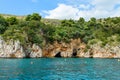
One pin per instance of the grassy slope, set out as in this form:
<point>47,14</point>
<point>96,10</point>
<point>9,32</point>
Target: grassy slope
<point>44,20</point>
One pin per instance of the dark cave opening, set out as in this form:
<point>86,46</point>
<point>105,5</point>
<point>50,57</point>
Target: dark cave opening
<point>74,53</point>
<point>58,54</point>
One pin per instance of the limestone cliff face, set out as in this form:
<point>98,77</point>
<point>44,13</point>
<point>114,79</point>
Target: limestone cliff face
<point>64,49</point>
<point>36,51</point>
<point>106,52</point>
<point>78,49</point>
<point>13,49</point>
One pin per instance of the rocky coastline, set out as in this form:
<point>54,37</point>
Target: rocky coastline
<point>13,49</point>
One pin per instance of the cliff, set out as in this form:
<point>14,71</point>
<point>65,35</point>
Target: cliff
<point>78,49</point>
<point>13,49</point>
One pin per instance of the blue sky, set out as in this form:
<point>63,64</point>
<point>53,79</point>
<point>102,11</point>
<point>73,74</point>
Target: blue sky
<point>21,7</point>
<point>62,9</point>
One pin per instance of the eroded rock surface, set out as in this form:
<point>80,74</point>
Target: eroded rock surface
<point>64,49</point>
<point>78,49</point>
<point>36,51</point>
<point>11,49</point>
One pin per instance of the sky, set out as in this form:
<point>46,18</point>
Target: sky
<point>62,9</point>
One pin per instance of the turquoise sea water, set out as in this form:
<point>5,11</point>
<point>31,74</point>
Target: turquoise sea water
<point>59,69</point>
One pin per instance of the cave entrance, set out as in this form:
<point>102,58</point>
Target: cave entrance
<point>27,55</point>
<point>74,53</point>
<point>58,54</point>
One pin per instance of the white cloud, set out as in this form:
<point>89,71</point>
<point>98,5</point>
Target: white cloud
<point>116,13</point>
<point>93,13</point>
<point>62,12</point>
<point>82,6</point>
<point>105,4</point>
<point>95,8</point>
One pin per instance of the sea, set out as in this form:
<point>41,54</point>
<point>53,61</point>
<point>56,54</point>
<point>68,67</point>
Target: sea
<point>59,69</point>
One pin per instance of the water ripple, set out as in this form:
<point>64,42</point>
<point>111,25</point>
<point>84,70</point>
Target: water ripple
<point>59,69</point>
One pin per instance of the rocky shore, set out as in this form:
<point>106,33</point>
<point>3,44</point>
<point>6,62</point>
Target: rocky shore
<point>13,49</point>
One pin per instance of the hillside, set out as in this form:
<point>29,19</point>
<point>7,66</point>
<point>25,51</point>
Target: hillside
<point>55,22</point>
<point>61,38</point>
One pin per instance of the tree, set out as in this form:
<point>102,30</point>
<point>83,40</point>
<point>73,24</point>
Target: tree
<point>12,20</point>
<point>3,24</point>
<point>15,33</point>
<point>3,21</point>
<point>34,16</point>
<point>34,24</point>
<point>2,29</point>
<point>81,21</point>
<point>68,23</point>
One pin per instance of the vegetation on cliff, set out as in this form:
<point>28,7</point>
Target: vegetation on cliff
<point>34,29</point>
